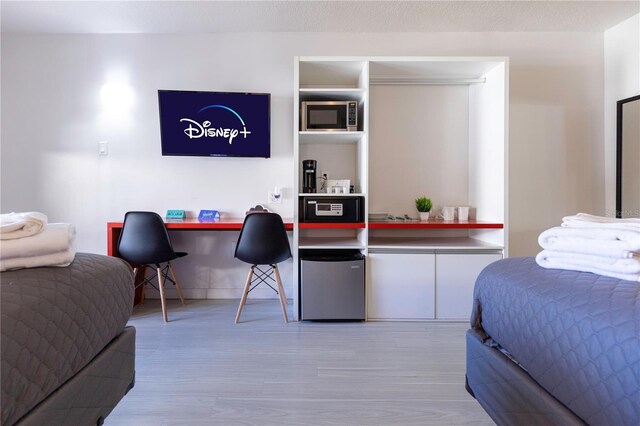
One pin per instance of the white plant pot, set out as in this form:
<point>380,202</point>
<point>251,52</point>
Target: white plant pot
<point>424,216</point>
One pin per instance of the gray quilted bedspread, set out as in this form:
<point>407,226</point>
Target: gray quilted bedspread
<point>576,333</point>
<point>54,321</point>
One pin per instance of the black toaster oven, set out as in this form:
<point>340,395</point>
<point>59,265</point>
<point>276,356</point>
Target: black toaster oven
<point>331,209</point>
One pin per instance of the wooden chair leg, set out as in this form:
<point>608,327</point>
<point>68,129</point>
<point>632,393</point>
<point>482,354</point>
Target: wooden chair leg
<point>245,291</point>
<point>283,298</point>
<point>162,299</point>
<point>175,280</point>
<point>144,286</point>
<point>136,281</point>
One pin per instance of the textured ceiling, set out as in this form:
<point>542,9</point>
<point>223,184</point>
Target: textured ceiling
<point>310,16</point>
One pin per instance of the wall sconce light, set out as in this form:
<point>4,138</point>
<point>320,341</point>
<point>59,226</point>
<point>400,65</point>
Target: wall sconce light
<point>116,97</point>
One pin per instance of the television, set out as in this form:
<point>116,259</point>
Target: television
<point>215,124</point>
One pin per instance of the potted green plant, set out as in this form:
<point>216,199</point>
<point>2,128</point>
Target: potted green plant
<point>424,205</point>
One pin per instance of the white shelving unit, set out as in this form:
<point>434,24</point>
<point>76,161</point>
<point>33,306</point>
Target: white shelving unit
<point>434,126</point>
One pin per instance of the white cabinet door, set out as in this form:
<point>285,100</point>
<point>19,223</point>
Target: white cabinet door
<point>400,286</point>
<point>455,277</point>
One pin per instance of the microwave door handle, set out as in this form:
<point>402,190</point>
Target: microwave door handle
<point>303,116</point>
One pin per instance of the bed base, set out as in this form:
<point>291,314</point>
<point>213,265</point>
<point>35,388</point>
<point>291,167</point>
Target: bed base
<point>507,393</point>
<point>89,396</point>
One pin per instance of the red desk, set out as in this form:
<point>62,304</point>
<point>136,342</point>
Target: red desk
<point>191,224</point>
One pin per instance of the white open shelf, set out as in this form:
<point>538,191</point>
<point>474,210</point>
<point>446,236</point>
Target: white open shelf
<point>330,243</point>
<point>324,194</point>
<point>434,243</point>
<point>332,93</point>
<point>332,72</point>
<point>330,137</point>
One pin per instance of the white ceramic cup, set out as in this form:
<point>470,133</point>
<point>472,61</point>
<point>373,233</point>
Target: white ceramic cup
<point>448,213</point>
<point>463,213</point>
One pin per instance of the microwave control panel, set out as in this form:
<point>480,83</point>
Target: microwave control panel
<point>352,116</point>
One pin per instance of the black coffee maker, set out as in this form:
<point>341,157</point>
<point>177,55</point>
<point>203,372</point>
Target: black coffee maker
<point>309,176</point>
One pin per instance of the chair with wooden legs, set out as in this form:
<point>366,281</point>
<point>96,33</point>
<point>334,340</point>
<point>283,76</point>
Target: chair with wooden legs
<point>145,242</point>
<point>263,241</point>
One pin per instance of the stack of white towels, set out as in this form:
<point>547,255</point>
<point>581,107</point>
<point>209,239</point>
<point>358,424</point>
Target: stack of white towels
<point>27,240</point>
<point>596,244</point>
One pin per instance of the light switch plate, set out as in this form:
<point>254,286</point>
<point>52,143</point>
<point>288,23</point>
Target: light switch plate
<point>103,148</point>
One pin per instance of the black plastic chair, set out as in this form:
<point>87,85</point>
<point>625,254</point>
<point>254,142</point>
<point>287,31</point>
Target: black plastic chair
<point>263,241</point>
<point>144,241</point>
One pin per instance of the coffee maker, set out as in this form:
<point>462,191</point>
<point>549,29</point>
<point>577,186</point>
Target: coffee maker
<point>309,176</point>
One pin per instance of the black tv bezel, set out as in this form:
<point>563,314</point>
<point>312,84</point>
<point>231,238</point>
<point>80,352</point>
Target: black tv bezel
<point>213,155</point>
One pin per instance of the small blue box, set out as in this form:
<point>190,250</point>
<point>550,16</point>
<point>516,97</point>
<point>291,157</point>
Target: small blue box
<point>208,215</point>
<point>176,214</point>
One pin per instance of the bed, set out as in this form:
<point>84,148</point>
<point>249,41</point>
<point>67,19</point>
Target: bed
<point>550,346</point>
<point>67,357</point>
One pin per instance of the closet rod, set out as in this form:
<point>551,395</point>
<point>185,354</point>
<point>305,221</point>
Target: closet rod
<point>400,81</point>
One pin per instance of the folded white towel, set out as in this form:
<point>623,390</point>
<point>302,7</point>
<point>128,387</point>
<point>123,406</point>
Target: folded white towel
<point>614,242</point>
<point>612,264</point>
<point>584,220</point>
<point>548,260</point>
<point>63,258</point>
<point>20,225</point>
<point>55,237</point>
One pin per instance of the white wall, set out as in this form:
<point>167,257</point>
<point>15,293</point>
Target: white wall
<point>414,119</point>
<point>621,80</point>
<point>52,119</point>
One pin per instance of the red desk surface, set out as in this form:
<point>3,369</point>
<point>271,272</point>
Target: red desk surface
<point>189,224</point>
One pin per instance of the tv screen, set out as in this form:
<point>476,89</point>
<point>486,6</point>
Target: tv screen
<point>215,124</point>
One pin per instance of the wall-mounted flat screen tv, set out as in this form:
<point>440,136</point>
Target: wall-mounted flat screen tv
<point>215,124</point>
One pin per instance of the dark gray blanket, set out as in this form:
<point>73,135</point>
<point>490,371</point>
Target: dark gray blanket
<point>576,333</point>
<point>56,320</point>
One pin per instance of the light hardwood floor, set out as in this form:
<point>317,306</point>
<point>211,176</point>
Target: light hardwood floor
<point>202,369</point>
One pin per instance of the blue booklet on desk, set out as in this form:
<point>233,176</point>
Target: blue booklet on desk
<point>208,215</point>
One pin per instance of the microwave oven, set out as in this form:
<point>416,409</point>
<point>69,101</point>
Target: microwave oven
<point>329,116</point>
<point>331,209</point>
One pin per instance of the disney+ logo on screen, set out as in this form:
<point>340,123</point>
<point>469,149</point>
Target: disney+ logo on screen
<point>196,130</point>
<point>214,123</point>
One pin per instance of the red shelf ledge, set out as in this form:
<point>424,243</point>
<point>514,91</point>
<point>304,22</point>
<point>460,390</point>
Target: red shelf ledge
<point>436,224</point>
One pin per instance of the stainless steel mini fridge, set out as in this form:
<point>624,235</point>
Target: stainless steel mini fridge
<point>332,285</point>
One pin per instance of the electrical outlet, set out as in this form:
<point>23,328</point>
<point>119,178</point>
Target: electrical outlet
<point>323,181</point>
<point>274,198</point>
